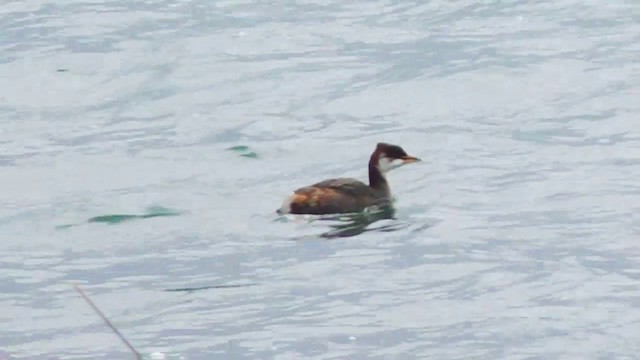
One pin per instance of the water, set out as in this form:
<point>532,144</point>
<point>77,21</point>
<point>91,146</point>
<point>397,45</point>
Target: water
<point>515,238</point>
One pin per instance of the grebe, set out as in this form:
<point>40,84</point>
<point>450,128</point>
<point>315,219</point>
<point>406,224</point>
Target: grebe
<point>344,195</point>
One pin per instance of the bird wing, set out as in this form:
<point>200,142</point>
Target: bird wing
<point>347,186</point>
<point>332,196</point>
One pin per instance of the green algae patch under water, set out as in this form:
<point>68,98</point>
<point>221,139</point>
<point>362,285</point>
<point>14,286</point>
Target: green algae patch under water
<point>209,287</point>
<point>244,151</point>
<point>112,219</point>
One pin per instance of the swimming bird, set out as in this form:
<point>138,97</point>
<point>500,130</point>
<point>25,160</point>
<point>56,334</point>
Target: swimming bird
<point>346,195</point>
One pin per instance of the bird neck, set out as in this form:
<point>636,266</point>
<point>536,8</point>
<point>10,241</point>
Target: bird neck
<point>377,179</point>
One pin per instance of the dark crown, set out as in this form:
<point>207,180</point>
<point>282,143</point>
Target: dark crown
<point>390,151</point>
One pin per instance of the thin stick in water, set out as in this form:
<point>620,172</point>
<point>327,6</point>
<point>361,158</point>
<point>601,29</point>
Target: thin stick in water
<point>104,318</point>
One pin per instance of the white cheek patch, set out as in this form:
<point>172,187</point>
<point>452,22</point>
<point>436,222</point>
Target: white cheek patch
<point>385,164</point>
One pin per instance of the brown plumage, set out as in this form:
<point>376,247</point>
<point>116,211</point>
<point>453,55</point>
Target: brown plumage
<point>344,195</point>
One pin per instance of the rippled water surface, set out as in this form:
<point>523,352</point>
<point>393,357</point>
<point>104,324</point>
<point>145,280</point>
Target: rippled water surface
<point>515,238</point>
